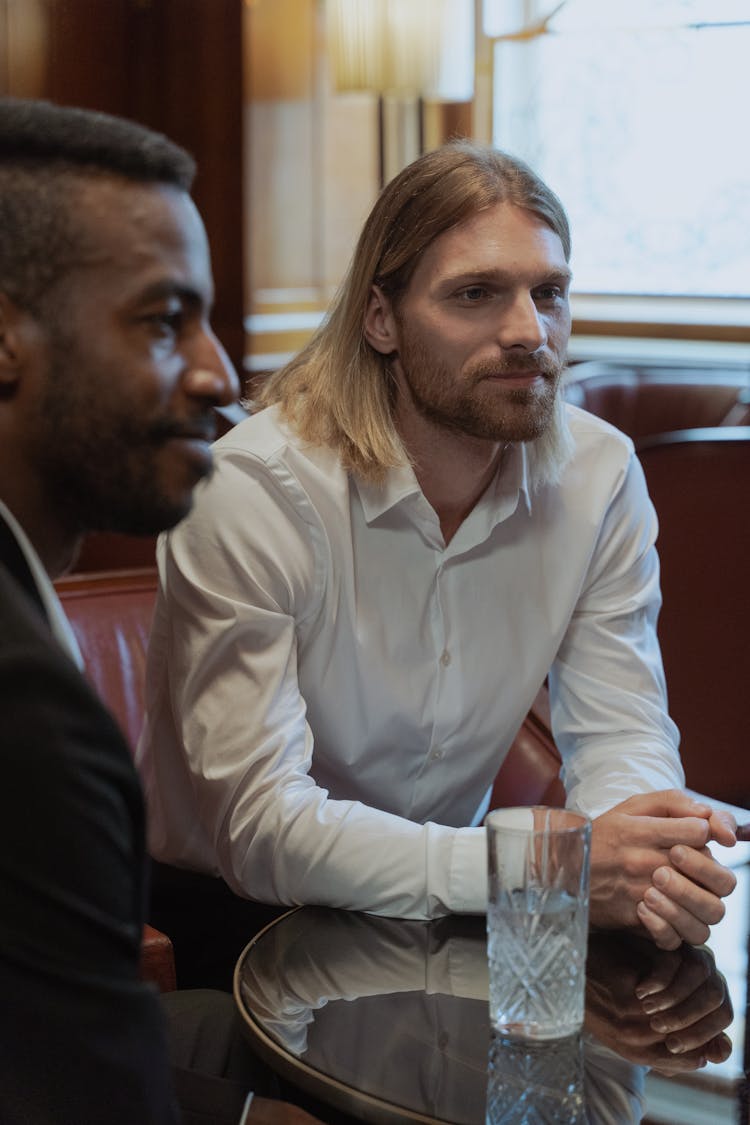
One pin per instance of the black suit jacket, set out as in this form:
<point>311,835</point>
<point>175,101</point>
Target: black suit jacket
<point>81,1037</point>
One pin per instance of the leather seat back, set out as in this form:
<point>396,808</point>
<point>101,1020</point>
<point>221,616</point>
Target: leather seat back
<point>647,399</point>
<point>111,615</point>
<point>111,612</point>
<point>530,773</point>
<point>699,481</point>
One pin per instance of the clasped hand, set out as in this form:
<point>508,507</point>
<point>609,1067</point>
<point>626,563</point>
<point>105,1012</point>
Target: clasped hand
<point>665,1010</point>
<point>651,868</point>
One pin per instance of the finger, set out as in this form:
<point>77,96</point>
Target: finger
<point>660,976</point>
<point>687,925</point>
<point>723,828</point>
<point>666,832</point>
<point>669,1064</point>
<point>700,867</point>
<point>719,1049</point>
<point>636,1037</point>
<point>666,803</point>
<point>698,1019</point>
<point>662,933</point>
<point>649,838</point>
<point>665,1061</point>
<point>689,907</point>
<point>692,974</point>
<point>695,1037</point>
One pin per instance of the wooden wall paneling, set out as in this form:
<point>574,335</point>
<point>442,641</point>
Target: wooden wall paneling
<point>175,65</point>
<point>188,71</point>
<point>89,54</point>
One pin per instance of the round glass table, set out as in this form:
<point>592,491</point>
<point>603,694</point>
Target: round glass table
<point>386,1020</point>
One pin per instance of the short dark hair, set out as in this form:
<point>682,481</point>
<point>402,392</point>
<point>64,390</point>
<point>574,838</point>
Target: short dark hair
<point>45,151</point>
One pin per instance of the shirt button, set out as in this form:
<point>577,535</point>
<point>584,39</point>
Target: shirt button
<point>445,658</point>
<point>436,755</point>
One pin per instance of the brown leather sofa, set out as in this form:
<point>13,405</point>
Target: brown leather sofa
<point>643,399</point>
<point>530,774</point>
<point>690,426</point>
<point>110,613</point>
<point>699,481</point>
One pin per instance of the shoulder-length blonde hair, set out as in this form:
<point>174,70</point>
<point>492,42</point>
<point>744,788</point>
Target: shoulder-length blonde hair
<point>337,391</point>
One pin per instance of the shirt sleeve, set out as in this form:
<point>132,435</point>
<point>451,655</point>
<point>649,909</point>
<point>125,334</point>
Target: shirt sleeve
<point>239,586</point>
<point>608,695</point>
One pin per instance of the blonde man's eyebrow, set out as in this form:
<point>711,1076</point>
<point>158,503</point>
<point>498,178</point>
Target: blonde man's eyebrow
<point>483,276</point>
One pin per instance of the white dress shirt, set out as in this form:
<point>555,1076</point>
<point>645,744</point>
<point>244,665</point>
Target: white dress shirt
<point>332,689</point>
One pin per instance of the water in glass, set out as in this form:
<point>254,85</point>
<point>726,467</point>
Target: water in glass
<point>537,955</point>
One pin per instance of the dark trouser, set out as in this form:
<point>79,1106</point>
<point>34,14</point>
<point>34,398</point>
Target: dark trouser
<point>208,924</point>
<point>212,1065</point>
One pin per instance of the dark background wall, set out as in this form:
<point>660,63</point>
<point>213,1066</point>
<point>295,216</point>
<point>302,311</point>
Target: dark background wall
<point>175,65</point>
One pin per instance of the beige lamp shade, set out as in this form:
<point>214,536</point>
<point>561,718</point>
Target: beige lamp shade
<point>407,47</point>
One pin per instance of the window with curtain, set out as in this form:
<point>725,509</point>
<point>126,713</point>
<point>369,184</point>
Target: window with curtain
<point>636,114</point>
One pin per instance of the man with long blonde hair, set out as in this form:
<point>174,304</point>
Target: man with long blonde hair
<point>335,682</point>
<point>339,390</point>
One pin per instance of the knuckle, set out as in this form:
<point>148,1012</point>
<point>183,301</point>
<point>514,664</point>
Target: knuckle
<point>633,866</point>
<point>702,935</point>
<point>714,990</point>
<point>717,911</point>
<point>730,882</point>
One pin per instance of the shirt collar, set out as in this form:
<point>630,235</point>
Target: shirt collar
<point>376,499</point>
<point>512,481</point>
<point>400,484</point>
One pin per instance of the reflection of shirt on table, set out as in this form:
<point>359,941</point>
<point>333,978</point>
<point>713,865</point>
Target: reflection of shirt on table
<point>418,1034</point>
<point>332,689</point>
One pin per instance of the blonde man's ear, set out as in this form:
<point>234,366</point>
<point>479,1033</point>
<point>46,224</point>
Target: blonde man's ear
<point>380,326</point>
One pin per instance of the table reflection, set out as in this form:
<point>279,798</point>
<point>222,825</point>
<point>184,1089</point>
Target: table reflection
<point>535,1081</point>
<point>397,1010</point>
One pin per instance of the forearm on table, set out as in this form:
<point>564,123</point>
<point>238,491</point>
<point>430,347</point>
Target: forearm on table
<point>298,847</point>
<point>609,711</point>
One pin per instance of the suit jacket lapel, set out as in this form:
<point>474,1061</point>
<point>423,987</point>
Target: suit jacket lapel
<point>14,560</point>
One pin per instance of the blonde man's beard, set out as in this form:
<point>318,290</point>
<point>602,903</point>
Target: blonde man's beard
<point>550,452</point>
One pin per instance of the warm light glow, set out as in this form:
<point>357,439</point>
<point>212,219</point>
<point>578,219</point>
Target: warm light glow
<point>423,47</point>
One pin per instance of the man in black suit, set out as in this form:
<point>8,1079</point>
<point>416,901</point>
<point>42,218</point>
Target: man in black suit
<point>109,375</point>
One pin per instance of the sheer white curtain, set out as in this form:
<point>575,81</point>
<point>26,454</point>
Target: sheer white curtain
<point>636,114</point>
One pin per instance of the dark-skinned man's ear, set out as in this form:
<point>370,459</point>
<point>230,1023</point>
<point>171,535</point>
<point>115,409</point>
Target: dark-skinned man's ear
<point>12,341</point>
